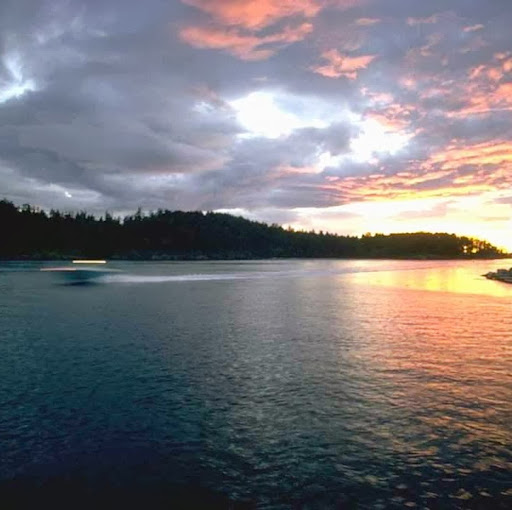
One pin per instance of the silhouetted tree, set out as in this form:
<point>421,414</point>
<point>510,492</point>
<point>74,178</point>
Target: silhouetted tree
<point>27,232</point>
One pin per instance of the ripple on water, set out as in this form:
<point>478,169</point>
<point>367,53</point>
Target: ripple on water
<point>324,391</point>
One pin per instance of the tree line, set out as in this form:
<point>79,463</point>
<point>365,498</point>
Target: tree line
<point>27,232</point>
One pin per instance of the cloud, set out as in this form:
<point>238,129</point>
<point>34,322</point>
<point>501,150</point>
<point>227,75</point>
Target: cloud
<point>255,14</point>
<point>339,65</point>
<point>483,154</point>
<point>238,26</point>
<point>474,28</point>
<point>246,47</point>
<point>124,104</point>
<point>367,22</point>
<point>487,88</point>
<point>430,20</point>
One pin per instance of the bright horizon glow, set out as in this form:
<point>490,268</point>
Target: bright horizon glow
<point>389,217</point>
<point>392,217</point>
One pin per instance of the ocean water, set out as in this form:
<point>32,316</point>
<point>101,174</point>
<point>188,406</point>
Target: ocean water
<point>265,384</point>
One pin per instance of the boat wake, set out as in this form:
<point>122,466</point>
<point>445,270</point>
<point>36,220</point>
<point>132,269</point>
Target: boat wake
<point>88,274</point>
<point>132,278</point>
<point>200,277</point>
<point>246,275</point>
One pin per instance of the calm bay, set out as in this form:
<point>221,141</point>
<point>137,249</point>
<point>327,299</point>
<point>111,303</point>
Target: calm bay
<point>268,384</point>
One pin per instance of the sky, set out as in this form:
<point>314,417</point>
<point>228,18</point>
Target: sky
<point>347,116</point>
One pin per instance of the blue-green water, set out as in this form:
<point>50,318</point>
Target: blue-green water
<point>268,384</point>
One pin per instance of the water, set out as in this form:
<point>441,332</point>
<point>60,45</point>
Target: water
<point>269,384</point>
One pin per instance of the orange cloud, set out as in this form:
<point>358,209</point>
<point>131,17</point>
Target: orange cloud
<point>387,111</point>
<point>342,65</point>
<point>486,92</point>
<point>395,187</point>
<point>440,175</point>
<point>255,14</point>
<point>479,155</point>
<point>244,46</point>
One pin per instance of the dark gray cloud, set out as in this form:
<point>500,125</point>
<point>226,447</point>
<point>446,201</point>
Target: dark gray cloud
<point>110,104</point>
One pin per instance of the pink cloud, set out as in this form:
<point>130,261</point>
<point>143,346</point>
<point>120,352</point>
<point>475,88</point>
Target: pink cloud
<point>342,65</point>
<point>255,14</point>
<point>487,91</point>
<point>237,25</point>
<point>242,45</point>
<point>473,28</point>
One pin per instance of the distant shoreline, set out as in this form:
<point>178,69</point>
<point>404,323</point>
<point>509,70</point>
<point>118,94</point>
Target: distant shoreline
<point>33,234</point>
<point>204,258</point>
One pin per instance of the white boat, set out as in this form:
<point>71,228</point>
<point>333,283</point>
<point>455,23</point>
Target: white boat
<point>82,271</point>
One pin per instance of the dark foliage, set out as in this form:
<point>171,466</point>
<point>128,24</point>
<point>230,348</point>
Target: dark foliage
<point>27,232</point>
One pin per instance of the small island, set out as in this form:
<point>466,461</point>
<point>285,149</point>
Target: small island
<point>31,233</point>
<point>501,275</point>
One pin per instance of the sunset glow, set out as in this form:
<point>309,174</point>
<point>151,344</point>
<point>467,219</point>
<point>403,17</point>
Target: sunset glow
<point>256,254</point>
<point>343,115</point>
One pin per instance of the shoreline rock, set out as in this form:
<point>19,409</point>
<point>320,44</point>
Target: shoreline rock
<point>501,275</point>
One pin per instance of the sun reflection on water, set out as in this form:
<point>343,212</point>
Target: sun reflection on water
<point>440,367</point>
<point>447,276</point>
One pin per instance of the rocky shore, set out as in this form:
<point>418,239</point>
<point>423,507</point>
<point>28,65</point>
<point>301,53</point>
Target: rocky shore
<point>502,275</point>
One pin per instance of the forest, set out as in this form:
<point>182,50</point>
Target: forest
<point>30,233</point>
